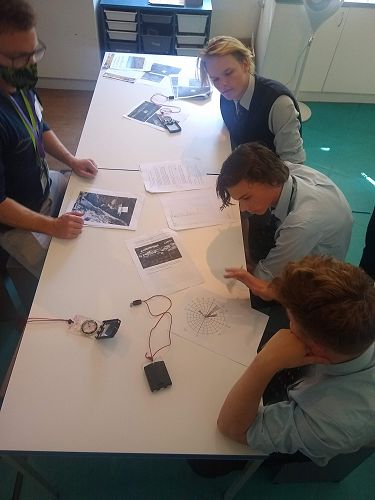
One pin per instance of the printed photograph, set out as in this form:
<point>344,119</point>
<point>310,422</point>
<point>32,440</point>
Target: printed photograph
<point>155,120</point>
<point>105,209</point>
<point>135,62</point>
<point>152,77</point>
<point>144,111</point>
<point>157,253</point>
<point>164,69</point>
<point>191,87</point>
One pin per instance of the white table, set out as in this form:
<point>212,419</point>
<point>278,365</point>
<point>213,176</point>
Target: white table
<point>68,393</point>
<point>119,143</point>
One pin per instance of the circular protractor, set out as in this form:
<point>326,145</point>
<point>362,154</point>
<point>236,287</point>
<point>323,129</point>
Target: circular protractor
<point>205,316</point>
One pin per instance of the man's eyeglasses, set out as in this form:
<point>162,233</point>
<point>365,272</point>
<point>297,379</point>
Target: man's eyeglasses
<point>24,59</point>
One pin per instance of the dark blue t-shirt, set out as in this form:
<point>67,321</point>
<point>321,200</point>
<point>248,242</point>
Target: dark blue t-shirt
<point>19,167</point>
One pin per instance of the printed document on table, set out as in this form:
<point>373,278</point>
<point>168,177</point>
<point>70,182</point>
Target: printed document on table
<point>227,326</point>
<point>108,209</point>
<point>172,176</point>
<point>150,113</point>
<point>162,263</point>
<point>123,62</point>
<point>196,209</point>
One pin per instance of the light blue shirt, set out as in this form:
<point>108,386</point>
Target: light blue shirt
<point>319,222</point>
<point>328,413</point>
<point>283,123</point>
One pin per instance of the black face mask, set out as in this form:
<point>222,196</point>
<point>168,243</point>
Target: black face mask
<point>21,78</point>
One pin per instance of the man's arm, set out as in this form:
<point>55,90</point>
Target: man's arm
<point>81,166</point>
<point>238,413</point>
<point>13,214</point>
<point>284,124</point>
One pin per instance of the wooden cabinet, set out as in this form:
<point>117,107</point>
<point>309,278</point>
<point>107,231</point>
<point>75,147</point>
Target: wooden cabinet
<point>137,26</point>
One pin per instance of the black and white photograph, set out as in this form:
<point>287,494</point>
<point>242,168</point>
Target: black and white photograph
<point>164,69</point>
<point>108,209</point>
<point>155,120</point>
<point>144,111</point>
<point>185,88</point>
<point>135,62</point>
<point>162,262</point>
<point>152,77</point>
<point>157,253</point>
<point>148,113</point>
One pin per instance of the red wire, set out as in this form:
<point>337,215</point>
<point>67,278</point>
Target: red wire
<point>149,355</point>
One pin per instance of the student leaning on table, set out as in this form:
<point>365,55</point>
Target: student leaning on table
<point>308,214</point>
<point>253,108</point>
<point>331,307</point>
<point>30,195</point>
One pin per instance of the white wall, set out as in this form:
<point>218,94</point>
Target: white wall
<point>69,30</point>
<point>237,18</point>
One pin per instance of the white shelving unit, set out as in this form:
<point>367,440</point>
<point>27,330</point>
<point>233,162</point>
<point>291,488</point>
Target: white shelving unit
<point>339,65</point>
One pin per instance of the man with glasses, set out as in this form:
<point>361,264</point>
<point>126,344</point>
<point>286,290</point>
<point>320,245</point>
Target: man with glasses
<point>30,195</point>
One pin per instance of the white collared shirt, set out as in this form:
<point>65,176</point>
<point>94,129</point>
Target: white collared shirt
<point>328,413</point>
<point>319,223</point>
<point>283,123</point>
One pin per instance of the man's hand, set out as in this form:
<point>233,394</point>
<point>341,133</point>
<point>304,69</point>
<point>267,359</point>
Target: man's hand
<point>67,226</point>
<point>84,167</point>
<point>261,288</point>
<point>285,350</point>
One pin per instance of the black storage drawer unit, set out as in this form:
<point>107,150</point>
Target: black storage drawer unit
<point>156,19</point>
<point>137,26</point>
<point>156,44</point>
<point>123,47</point>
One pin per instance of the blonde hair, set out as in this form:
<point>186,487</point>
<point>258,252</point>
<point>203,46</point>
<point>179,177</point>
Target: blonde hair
<point>224,46</point>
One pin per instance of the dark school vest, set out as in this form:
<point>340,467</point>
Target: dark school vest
<point>252,125</point>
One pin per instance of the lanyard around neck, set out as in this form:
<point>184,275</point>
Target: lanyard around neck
<point>30,124</point>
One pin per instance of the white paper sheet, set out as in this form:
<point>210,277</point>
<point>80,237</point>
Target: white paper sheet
<point>162,263</point>
<point>192,209</point>
<point>148,113</point>
<point>153,79</point>
<point>179,3</point>
<point>108,209</point>
<point>227,326</point>
<point>169,176</point>
<point>122,62</point>
<point>187,87</point>
<point>128,76</point>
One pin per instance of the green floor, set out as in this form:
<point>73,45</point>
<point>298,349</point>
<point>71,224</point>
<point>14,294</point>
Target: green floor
<point>339,141</point>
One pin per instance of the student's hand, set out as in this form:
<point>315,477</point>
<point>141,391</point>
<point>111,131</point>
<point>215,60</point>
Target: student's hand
<point>67,226</point>
<point>84,167</point>
<point>285,350</point>
<point>261,288</point>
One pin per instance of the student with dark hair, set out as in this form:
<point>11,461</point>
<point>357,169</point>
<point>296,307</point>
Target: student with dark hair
<point>30,195</point>
<point>254,108</point>
<point>308,214</point>
<point>331,307</point>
